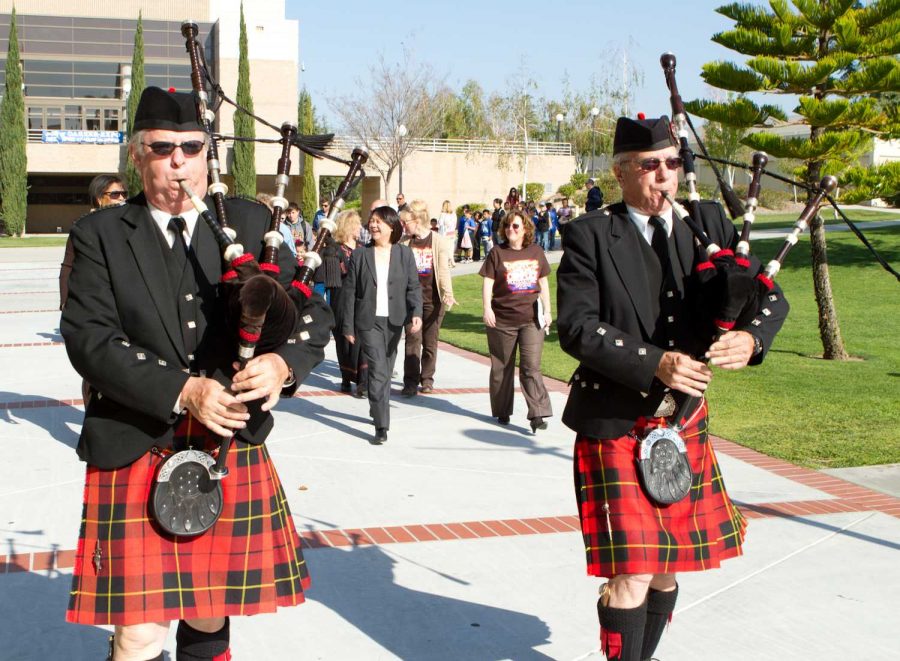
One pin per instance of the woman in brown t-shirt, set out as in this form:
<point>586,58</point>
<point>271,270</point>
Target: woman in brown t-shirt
<point>516,299</point>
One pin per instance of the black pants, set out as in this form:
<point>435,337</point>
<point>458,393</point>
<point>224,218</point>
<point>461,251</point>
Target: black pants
<point>380,351</point>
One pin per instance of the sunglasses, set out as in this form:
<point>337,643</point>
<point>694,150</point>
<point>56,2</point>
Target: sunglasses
<point>116,194</point>
<point>515,226</point>
<point>652,164</point>
<point>189,148</point>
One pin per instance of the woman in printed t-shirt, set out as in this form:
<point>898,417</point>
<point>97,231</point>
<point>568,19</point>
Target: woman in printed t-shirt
<point>516,298</point>
<point>437,297</point>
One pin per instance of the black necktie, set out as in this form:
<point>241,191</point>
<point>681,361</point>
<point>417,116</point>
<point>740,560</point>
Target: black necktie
<point>179,247</point>
<point>660,243</point>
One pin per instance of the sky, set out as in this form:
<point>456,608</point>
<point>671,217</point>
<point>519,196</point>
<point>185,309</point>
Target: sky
<point>490,40</point>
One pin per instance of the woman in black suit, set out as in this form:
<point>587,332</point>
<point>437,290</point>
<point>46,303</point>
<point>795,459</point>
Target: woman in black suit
<point>382,294</point>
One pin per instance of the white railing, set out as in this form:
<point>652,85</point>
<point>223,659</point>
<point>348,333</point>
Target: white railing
<point>344,143</point>
<point>464,146</point>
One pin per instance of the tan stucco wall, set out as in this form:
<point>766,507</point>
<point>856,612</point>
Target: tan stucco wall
<point>160,10</point>
<point>460,178</point>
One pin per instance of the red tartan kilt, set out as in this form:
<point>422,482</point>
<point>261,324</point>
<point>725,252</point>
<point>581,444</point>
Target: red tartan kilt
<point>249,562</point>
<point>694,534</point>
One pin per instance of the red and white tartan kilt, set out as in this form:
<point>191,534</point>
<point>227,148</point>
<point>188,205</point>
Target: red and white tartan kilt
<point>694,534</point>
<point>249,562</point>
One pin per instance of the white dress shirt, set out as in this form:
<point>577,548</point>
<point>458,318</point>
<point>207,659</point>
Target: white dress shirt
<point>162,218</point>
<point>642,222</point>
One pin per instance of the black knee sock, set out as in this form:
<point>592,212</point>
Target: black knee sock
<point>193,645</point>
<point>621,631</point>
<point>659,611</point>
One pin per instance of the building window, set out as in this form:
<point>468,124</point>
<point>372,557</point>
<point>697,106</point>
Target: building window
<point>74,118</point>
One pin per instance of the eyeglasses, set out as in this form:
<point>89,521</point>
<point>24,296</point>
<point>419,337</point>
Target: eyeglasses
<point>188,148</point>
<point>652,164</point>
<point>116,194</point>
<point>514,226</point>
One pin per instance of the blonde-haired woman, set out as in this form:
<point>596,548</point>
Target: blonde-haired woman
<point>447,222</point>
<point>351,358</point>
<point>432,266</point>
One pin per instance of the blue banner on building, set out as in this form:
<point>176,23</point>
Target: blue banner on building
<point>82,137</point>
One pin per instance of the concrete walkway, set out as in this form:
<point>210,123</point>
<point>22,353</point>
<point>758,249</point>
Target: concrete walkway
<point>457,539</point>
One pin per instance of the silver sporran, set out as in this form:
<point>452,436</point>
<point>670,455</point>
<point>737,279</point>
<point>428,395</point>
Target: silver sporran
<point>663,466</point>
<point>187,497</point>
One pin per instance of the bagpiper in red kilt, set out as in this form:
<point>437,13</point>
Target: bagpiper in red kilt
<point>127,571</point>
<point>627,533</point>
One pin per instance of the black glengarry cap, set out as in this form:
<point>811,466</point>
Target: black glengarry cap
<point>171,111</point>
<point>642,134</point>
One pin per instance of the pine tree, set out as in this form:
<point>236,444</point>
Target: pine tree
<point>305,125</point>
<point>839,57</point>
<point>138,82</point>
<point>13,137</point>
<point>244,152</point>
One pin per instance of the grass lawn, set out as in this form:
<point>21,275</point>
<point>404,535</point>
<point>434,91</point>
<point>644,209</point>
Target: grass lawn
<point>816,413</point>
<point>32,241</point>
<point>768,220</point>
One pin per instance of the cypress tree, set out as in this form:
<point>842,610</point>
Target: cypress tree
<point>13,138</point>
<point>138,82</point>
<point>308,192</point>
<point>840,58</point>
<point>244,152</point>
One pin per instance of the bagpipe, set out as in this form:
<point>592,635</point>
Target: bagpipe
<point>730,293</point>
<point>262,314</point>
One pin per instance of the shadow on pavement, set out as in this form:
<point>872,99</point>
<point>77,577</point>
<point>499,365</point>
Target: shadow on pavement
<point>47,413</point>
<point>33,623</point>
<point>762,509</point>
<point>412,624</point>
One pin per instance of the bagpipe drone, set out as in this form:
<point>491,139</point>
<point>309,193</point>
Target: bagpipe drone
<point>262,314</point>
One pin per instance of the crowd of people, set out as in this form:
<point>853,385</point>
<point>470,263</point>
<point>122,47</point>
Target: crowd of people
<point>475,232</point>
<point>141,316</point>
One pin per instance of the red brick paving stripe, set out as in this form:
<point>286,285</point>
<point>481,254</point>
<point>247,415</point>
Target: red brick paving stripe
<point>520,527</point>
<point>421,533</point>
<point>461,531</point>
<point>17,345</point>
<point>556,524</point>
<point>336,537</point>
<point>331,538</point>
<point>378,535</point>
<point>441,531</point>
<point>479,529</point>
<point>312,539</point>
<point>400,534</point>
<point>28,311</point>
<point>40,403</point>
<point>539,526</point>
<point>500,528</point>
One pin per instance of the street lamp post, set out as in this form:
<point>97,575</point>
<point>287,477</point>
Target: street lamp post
<point>401,133</point>
<point>559,118</point>
<point>594,112</point>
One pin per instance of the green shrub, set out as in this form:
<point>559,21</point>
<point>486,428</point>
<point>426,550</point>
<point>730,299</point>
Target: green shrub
<point>473,206</point>
<point>534,192</point>
<point>579,179</point>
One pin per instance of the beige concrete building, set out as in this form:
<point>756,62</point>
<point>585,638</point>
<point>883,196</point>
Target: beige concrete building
<point>77,71</point>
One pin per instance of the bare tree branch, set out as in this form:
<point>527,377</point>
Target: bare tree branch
<point>407,93</point>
